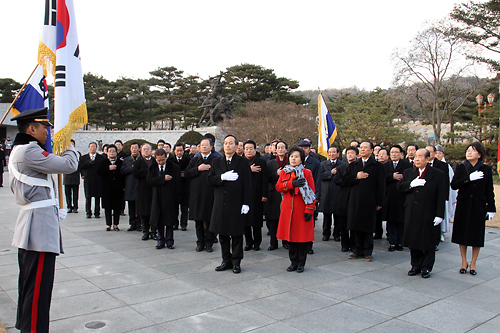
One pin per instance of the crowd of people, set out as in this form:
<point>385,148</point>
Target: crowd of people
<point>230,195</point>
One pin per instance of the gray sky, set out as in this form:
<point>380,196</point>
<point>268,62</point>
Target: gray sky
<point>325,44</point>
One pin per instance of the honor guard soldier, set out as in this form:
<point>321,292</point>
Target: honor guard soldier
<point>37,234</point>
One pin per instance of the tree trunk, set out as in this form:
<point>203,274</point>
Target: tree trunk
<point>452,128</point>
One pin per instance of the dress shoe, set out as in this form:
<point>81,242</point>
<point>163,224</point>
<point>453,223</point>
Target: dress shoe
<point>200,248</point>
<point>344,249</point>
<point>75,211</point>
<point>247,248</point>
<point>325,239</point>
<point>176,227</point>
<point>224,266</point>
<point>413,272</point>
<point>369,258</point>
<point>139,228</point>
<point>183,228</point>
<point>89,216</point>
<point>311,251</point>
<point>268,233</point>
<point>108,228</point>
<point>464,270</point>
<point>272,248</point>
<point>392,248</point>
<point>437,247</point>
<point>160,246</point>
<point>210,248</point>
<point>399,247</point>
<point>171,247</point>
<point>426,274</point>
<point>115,228</point>
<point>98,216</point>
<point>291,268</point>
<point>286,246</point>
<point>236,269</point>
<point>131,228</point>
<point>145,236</point>
<point>300,269</point>
<point>256,248</point>
<point>70,210</point>
<point>154,236</point>
<point>377,237</point>
<point>353,256</point>
<point>337,239</point>
<point>473,272</point>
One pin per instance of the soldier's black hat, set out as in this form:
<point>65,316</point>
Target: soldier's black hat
<point>33,116</point>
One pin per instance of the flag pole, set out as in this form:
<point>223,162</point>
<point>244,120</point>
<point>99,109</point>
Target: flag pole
<point>17,96</point>
<point>498,141</point>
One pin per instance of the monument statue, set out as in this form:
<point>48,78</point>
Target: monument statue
<point>216,108</point>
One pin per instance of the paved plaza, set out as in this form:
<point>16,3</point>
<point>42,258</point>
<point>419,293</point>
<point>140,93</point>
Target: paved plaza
<point>117,281</point>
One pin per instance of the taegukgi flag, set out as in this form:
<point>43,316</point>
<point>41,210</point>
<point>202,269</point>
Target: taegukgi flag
<point>327,131</point>
<point>70,110</point>
<point>34,96</point>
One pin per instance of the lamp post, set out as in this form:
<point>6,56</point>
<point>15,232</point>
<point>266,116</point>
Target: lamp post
<point>479,101</point>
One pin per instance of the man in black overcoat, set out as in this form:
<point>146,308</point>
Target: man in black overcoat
<point>144,191</point>
<point>165,178</point>
<point>260,192</point>
<point>127,170</point>
<point>230,175</point>
<point>394,204</point>
<point>425,189</point>
<point>330,194</point>
<point>367,178</point>
<point>182,160</point>
<point>91,180</point>
<point>201,198</point>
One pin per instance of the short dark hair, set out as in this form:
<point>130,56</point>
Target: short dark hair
<point>135,143</point>
<point>371,143</point>
<point>383,149</point>
<point>22,128</point>
<point>479,148</point>
<point>338,150</point>
<point>161,140</point>
<point>276,140</point>
<point>209,136</point>
<point>250,142</point>
<point>412,144</point>
<point>160,152</point>
<point>267,144</point>
<point>112,146</point>
<point>120,141</point>
<point>93,143</point>
<point>356,142</point>
<point>283,142</point>
<point>168,144</point>
<point>230,135</point>
<point>179,144</point>
<point>210,142</point>
<point>301,152</point>
<point>399,147</point>
<point>433,148</point>
<point>352,148</point>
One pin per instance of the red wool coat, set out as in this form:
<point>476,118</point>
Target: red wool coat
<point>292,225</point>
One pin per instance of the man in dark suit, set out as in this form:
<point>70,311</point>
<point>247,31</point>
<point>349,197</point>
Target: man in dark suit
<point>411,150</point>
<point>144,191</point>
<point>130,186</point>
<point>182,160</point>
<point>367,178</point>
<point>425,189</point>
<point>330,194</point>
<point>201,198</point>
<point>260,192</point>
<point>394,204</point>
<point>230,175</point>
<point>89,163</point>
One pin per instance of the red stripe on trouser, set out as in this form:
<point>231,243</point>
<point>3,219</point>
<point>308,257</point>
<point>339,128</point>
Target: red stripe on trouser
<point>36,294</point>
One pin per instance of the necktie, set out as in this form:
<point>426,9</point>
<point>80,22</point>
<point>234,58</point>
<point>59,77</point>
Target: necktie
<point>395,165</point>
<point>161,169</point>
<point>228,163</point>
<point>363,163</point>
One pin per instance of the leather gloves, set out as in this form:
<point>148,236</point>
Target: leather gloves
<point>298,182</point>
<point>308,217</point>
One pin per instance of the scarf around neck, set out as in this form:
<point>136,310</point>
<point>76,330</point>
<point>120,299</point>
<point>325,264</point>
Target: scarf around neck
<point>470,169</point>
<point>281,164</point>
<point>306,191</point>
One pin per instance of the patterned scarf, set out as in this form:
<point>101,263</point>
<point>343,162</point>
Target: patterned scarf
<point>306,192</point>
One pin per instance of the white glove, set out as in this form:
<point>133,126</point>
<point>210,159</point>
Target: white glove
<point>417,182</point>
<point>229,176</point>
<point>437,221</point>
<point>476,175</point>
<point>62,213</point>
<point>490,216</point>
<point>245,209</point>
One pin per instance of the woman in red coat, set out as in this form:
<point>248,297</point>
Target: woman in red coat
<point>296,224</point>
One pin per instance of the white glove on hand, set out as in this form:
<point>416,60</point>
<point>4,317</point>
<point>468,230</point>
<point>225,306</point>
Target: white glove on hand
<point>417,182</point>
<point>62,213</point>
<point>229,176</point>
<point>437,221</point>
<point>490,216</point>
<point>245,209</point>
<point>476,175</point>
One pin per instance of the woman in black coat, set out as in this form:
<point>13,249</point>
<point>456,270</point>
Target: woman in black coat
<point>475,203</point>
<point>113,187</point>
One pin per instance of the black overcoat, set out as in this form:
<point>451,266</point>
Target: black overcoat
<point>144,191</point>
<point>314,165</point>
<point>443,166</point>
<point>365,194</point>
<point>274,197</point>
<point>91,180</point>
<point>113,184</point>
<point>127,170</point>
<point>394,203</point>
<point>423,204</point>
<point>329,190</point>
<point>474,200</point>
<point>166,194</point>
<point>345,190</point>
<point>201,198</point>
<point>260,188</point>
<point>230,196</point>
<point>183,164</point>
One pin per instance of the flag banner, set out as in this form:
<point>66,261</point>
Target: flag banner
<point>70,110</point>
<point>48,38</point>
<point>327,131</point>
<point>34,96</point>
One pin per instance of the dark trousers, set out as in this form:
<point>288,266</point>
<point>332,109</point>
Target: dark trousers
<point>133,220</point>
<point>423,260</point>
<point>273,229</point>
<point>112,215</point>
<point>327,225</point>
<point>228,243</point>
<point>253,236</point>
<point>97,206</point>
<point>298,253</point>
<point>379,230</point>
<point>36,279</point>
<point>438,233</point>
<point>346,242</point>
<point>184,215</point>
<point>395,232</point>
<point>165,235</point>
<point>363,243</point>
<point>1,175</point>
<point>146,226</point>
<point>71,192</point>
<point>203,235</point>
